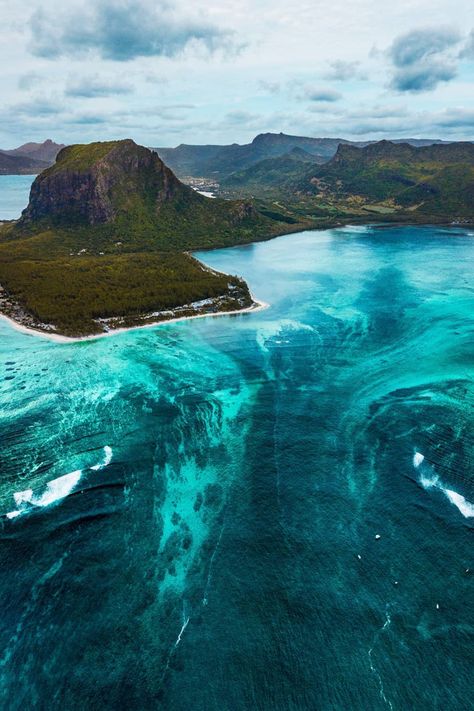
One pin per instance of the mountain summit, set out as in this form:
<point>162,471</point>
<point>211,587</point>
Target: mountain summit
<point>94,184</point>
<point>114,191</point>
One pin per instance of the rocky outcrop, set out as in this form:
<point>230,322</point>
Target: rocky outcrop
<point>91,184</point>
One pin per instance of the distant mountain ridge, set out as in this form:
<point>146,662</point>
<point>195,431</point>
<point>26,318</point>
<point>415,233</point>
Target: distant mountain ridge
<point>435,180</point>
<point>220,161</point>
<point>20,165</point>
<point>29,158</point>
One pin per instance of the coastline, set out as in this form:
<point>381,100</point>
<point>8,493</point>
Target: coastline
<point>256,305</point>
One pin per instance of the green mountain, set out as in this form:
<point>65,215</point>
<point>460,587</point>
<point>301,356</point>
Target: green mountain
<point>218,162</point>
<point>104,237</point>
<point>436,180</point>
<point>270,174</point>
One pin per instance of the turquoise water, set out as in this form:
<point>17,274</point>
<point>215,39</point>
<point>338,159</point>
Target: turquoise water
<point>266,511</point>
<point>14,194</point>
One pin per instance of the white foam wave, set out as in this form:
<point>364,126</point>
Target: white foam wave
<point>23,496</point>
<point>464,506</point>
<point>107,459</point>
<point>430,480</point>
<point>418,458</point>
<point>13,514</point>
<point>55,490</point>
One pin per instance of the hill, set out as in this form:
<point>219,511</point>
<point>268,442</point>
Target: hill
<point>221,161</point>
<point>104,237</point>
<point>218,162</point>
<point>269,175</point>
<point>20,165</point>
<point>436,180</point>
<point>45,152</point>
<point>30,158</point>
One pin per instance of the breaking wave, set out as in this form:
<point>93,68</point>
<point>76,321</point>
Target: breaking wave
<point>430,480</point>
<point>55,490</point>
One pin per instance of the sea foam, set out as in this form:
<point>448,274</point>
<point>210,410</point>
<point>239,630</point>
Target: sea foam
<point>418,458</point>
<point>430,480</point>
<point>55,490</point>
<point>107,459</point>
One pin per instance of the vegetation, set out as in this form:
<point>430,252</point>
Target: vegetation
<point>108,227</point>
<point>28,159</point>
<point>73,293</point>
<point>220,162</point>
<point>270,175</point>
<point>431,180</point>
<point>105,236</point>
<point>389,180</point>
<point>19,165</point>
<point>81,157</point>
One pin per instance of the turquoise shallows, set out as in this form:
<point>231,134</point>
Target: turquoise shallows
<point>265,511</point>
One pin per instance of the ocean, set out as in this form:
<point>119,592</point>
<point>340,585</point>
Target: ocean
<point>14,193</point>
<point>265,511</point>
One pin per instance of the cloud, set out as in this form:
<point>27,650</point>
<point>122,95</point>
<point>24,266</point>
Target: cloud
<point>122,30</point>
<point>423,58</point>
<point>240,117</point>
<point>28,81</point>
<point>94,87</point>
<point>420,44</point>
<point>269,87</point>
<point>85,120</point>
<point>456,118</point>
<point>340,70</point>
<point>321,94</point>
<point>37,107</point>
<point>467,51</point>
<point>423,78</point>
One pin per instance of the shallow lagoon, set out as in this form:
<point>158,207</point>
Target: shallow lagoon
<point>223,553</point>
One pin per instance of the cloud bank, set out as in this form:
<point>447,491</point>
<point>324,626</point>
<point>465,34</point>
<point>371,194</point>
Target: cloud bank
<point>121,30</point>
<point>422,59</point>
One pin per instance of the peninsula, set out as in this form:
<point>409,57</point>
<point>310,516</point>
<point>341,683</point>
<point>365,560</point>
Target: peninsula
<point>104,243</point>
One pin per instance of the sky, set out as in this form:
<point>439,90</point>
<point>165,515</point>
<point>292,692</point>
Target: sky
<point>165,73</point>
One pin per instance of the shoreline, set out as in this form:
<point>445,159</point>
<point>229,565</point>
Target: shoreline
<point>256,306</point>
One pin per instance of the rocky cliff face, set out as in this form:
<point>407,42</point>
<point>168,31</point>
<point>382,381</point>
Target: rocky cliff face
<point>91,184</point>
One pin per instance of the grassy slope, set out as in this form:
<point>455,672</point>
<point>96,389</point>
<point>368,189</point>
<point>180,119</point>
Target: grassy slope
<point>429,181</point>
<point>269,175</point>
<point>80,157</point>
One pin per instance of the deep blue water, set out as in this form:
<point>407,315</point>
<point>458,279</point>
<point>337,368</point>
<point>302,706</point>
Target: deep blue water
<point>14,193</point>
<point>284,519</point>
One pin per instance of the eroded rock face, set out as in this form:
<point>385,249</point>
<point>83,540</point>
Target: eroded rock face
<point>90,184</point>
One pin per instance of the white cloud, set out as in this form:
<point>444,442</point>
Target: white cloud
<point>127,68</point>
